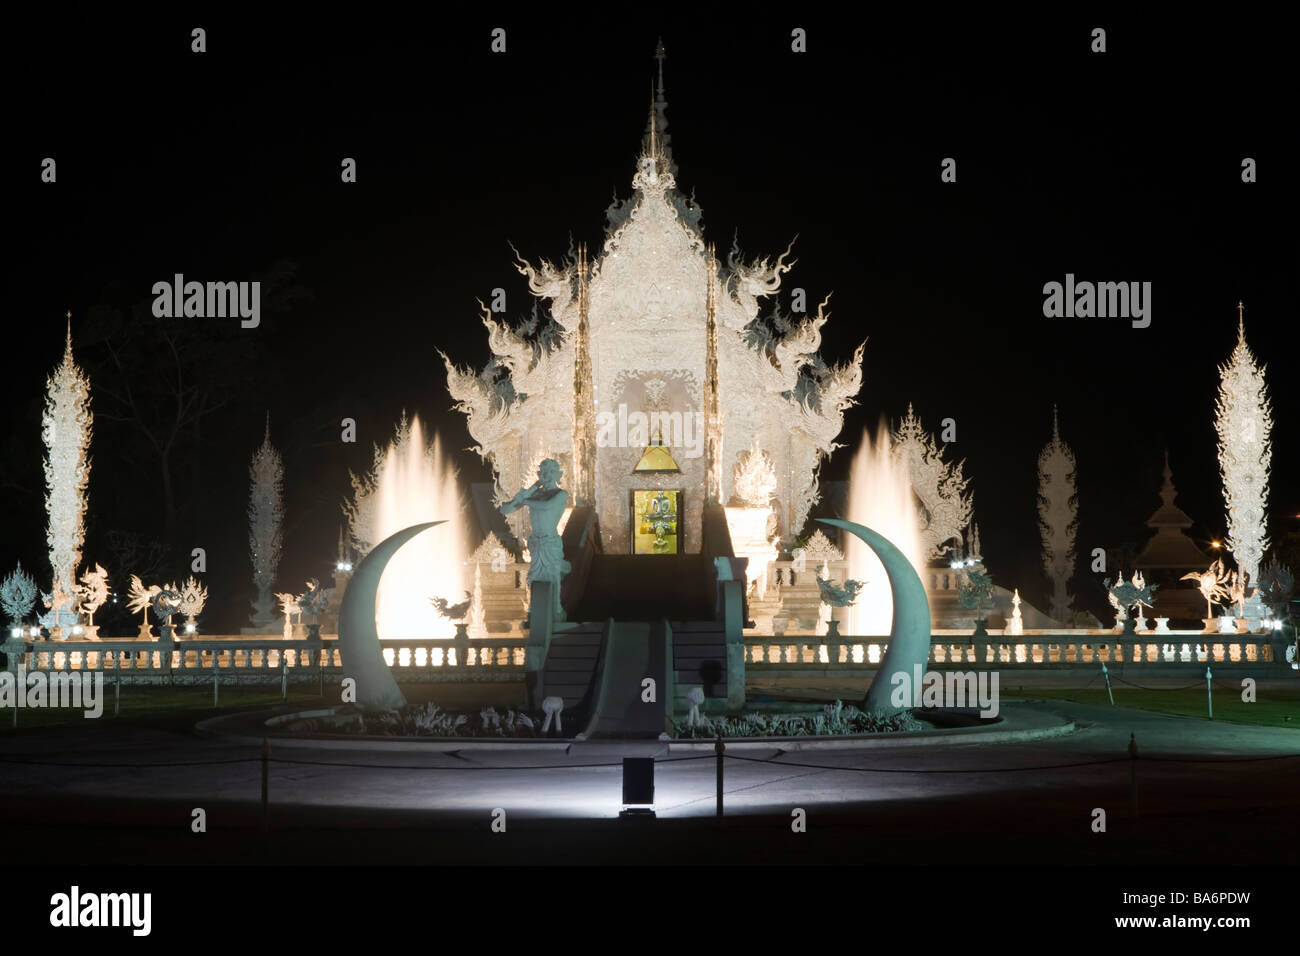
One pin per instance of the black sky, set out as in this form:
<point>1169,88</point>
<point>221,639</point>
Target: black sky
<point>1119,166</point>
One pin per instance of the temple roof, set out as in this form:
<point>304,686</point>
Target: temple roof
<point>1169,515</point>
<point>656,149</point>
<point>656,130</point>
<point>1170,547</point>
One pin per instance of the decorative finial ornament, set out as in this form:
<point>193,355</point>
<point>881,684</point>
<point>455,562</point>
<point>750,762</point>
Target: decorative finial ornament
<point>657,138</point>
<point>654,144</point>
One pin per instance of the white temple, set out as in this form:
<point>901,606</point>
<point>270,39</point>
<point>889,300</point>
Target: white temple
<point>650,375</point>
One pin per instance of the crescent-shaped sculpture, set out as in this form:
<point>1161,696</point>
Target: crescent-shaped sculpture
<point>909,631</point>
<point>359,648</point>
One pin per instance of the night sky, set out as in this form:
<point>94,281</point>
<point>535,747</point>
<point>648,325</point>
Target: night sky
<point>1123,166</point>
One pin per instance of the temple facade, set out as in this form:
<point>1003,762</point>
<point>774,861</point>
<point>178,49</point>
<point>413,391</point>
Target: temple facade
<point>651,372</point>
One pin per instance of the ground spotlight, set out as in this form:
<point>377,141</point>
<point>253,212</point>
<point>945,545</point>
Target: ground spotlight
<point>638,788</point>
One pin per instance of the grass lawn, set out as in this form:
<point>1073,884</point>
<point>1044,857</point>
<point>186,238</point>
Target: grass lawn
<point>166,708</point>
<point>1273,707</point>
<point>180,708</point>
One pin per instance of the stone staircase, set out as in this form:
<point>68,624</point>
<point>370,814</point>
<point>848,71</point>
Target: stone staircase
<point>571,665</point>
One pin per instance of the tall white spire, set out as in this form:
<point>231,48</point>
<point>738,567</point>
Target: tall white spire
<point>1057,518</point>
<point>65,429</point>
<point>656,134</point>
<point>265,522</point>
<point>1244,422</point>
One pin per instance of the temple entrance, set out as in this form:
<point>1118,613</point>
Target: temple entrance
<point>656,512</point>
<point>656,520</point>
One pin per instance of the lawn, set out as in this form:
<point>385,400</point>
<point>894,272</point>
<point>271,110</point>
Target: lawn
<point>160,706</point>
<point>178,708</point>
<point>1273,707</point>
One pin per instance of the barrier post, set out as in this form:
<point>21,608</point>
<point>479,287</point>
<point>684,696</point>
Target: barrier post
<point>719,749</point>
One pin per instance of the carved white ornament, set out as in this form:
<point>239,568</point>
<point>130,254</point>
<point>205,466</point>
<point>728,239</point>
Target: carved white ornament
<point>1244,421</point>
<point>490,551</point>
<point>939,486</point>
<point>18,595</point>
<point>65,429</point>
<point>139,597</point>
<point>265,520</point>
<point>193,597</point>
<point>820,552</point>
<point>92,592</point>
<point>755,477</point>
<point>1057,518</point>
<point>1015,626</point>
<point>477,620</point>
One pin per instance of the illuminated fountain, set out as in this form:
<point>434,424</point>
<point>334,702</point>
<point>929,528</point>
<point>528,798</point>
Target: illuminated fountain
<point>880,497</point>
<point>410,483</point>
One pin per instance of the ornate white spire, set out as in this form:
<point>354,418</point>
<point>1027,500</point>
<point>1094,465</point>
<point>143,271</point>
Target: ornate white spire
<point>65,429</point>
<point>657,126</point>
<point>265,518</point>
<point>584,408</point>
<point>946,506</point>
<point>1244,422</point>
<point>1057,518</point>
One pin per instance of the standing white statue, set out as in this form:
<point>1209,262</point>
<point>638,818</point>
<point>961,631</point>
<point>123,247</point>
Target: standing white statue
<point>546,502</point>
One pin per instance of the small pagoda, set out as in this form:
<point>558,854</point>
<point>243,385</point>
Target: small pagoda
<point>1171,553</point>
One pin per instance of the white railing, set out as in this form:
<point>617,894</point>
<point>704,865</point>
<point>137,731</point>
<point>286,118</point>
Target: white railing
<point>247,655</point>
<point>1026,650</point>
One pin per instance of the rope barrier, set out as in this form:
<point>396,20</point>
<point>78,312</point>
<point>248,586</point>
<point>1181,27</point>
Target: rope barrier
<point>379,766</point>
<point>131,766</point>
<point>1200,684</point>
<point>328,763</point>
<point>773,761</point>
<point>813,766</point>
<point>1058,766</point>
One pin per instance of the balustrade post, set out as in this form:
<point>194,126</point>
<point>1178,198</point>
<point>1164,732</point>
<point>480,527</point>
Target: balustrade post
<point>461,645</point>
